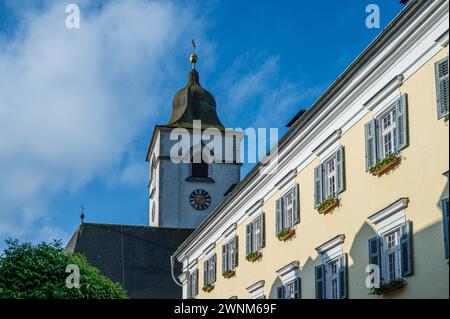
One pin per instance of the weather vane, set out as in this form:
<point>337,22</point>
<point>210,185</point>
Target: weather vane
<point>82,213</point>
<point>193,57</point>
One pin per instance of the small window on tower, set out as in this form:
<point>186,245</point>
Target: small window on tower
<point>200,169</point>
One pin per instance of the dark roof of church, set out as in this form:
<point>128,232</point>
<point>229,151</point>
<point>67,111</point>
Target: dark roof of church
<point>137,257</point>
<point>193,102</point>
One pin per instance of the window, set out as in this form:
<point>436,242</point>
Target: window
<point>200,169</point>
<point>193,284</point>
<point>387,134</point>
<point>392,253</point>
<point>287,210</point>
<point>329,177</point>
<point>255,235</point>
<point>290,281</point>
<point>230,255</point>
<point>331,275</point>
<point>445,208</point>
<point>289,291</point>
<point>442,87</point>
<point>391,249</point>
<point>331,279</point>
<point>209,270</point>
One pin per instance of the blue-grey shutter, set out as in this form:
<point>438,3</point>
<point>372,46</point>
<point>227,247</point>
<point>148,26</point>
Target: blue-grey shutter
<point>205,273</point>
<point>196,282</point>
<point>280,292</point>
<point>249,238</point>
<point>236,252</point>
<point>224,257</point>
<point>190,286</point>
<point>375,252</point>
<point>401,113</point>
<point>263,230</point>
<point>343,277</point>
<point>445,218</point>
<point>320,281</point>
<point>213,261</point>
<point>278,217</point>
<point>340,167</point>
<point>297,288</point>
<point>370,130</point>
<point>442,87</point>
<point>318,186</point>
<point>296,203</point>
<point>406,249</point>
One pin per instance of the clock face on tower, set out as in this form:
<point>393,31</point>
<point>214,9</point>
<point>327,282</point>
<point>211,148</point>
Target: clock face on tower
<point>200,199</point>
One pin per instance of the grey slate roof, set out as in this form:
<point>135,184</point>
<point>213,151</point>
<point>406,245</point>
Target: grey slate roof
<point>137,257</point>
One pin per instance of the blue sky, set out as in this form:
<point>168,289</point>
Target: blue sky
<point>77,107</point>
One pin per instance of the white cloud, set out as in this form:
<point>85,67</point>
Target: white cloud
<point>72,101</point>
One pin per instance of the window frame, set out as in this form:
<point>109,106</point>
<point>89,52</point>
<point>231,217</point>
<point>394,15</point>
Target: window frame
<point>330,277</point>
<point>327,176</point>
<point>386,252</point>
<point>288,220</point>
<point>390,130</point>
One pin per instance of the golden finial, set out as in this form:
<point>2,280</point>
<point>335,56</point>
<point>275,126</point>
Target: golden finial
<point>193,57</point>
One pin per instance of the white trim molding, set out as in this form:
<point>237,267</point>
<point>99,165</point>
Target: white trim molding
<point>329,145</point>
<point>287,181</point>
<point>257,207</point>
<point>289,273</point>
<point>391,216</point>
<point>230,231</point>
<point>256,290</point>
<point>332,248</point>
<point>209,249</point>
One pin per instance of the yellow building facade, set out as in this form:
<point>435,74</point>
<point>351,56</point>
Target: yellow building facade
<point>361,186</point>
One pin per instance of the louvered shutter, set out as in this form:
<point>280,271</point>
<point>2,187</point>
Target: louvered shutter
<point>278,217</point>
<point>442,87</point>
<point>371,143</point>
<point>296,203</point>
<point>343,277</point>
<point>213,266</point>
<point>406,249</point>
<point>320,281</point>
<point>263,230</point>
<point>445,218</point>
<point>318,186</point>
<point>189,286</point>
<point>375,251</point>
<point>340,168</point>
<point>280,292</point>
<point>401,114</point>
<point>249,238</point>
<point>297,288</point>
<point>196,282</point>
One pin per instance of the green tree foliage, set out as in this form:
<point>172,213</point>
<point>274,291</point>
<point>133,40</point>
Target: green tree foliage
<point>38,271</point>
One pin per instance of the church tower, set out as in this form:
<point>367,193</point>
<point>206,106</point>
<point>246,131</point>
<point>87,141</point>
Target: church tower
<point>183,194</point>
